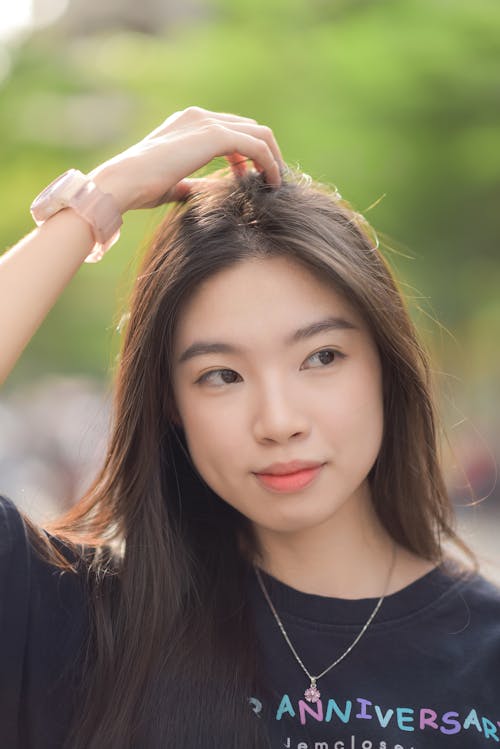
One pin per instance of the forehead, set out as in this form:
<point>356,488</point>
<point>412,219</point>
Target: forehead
<point>274,294</point>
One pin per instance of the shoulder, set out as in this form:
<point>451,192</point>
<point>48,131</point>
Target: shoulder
<point>44,630</point>
<point>471,580</point>
<point>18,533</point>
<point>27,577</point>
<point>44,592</point>
<point>14,555</point>
<point>473,601</point>
<point>10,525</point>
<point>483,594</point>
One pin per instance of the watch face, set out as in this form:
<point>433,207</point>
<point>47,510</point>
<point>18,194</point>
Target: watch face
<point>48,190</point>
<point>47,203</point>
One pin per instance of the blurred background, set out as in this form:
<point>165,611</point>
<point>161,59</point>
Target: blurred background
<point>395,102</point>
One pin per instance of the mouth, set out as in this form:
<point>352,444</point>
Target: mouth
<point>289,482</point>
<point>292,466</point>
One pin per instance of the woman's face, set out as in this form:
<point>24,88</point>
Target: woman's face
<point>262,398</point>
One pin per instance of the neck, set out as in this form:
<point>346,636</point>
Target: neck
<point>347,556</point>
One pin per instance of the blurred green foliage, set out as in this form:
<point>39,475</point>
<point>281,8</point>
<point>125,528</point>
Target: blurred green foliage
<point>397,99</point>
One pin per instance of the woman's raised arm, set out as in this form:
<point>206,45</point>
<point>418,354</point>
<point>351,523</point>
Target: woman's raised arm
<point>34,272</point>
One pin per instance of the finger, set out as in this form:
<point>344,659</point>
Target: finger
<point>178,193</point>
<point>239,142</point>
<point>228,117</point>
<point>186,117</point>
<point>260,131</point>
<point>258,143</point>
<point>181,190</point>
<point>238,163</point>
<point>186,187</point>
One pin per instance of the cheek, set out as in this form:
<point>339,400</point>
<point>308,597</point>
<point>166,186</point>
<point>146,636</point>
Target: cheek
<point>356,419</point>
<point>213,439</point>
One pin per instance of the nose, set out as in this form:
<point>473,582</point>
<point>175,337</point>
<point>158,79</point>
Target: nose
<point>279,414</point>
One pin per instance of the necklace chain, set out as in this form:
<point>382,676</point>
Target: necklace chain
<point>312,694</point>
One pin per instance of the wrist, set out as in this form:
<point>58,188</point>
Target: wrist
<point>75,190</point>
<point>108,182</point>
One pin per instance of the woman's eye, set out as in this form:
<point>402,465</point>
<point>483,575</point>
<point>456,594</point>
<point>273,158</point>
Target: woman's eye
<point>227,375</point>
<point>331,355</point>
<point>205,377</point>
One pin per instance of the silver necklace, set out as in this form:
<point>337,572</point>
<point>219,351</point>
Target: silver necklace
<point>312,694</point>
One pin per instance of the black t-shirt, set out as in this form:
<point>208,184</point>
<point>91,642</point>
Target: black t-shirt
<point>425,674</point>
<point>43,628</point>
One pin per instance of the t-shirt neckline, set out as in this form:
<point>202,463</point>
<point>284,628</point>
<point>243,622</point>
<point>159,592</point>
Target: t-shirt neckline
<point>311,607</point>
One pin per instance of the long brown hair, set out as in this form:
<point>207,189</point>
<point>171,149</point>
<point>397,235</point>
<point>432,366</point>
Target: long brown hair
<point>172,649</point>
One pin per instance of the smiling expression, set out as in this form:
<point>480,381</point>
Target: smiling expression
<point>273,365</point>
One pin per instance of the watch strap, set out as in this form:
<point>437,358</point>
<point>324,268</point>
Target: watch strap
<point>75,190</point>
<point>102,213</point>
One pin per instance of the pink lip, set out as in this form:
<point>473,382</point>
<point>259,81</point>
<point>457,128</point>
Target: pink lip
<point>289,482</point>
<point>291,467</point>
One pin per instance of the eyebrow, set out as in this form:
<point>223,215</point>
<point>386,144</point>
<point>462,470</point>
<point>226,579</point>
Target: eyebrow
<point>199,348</point>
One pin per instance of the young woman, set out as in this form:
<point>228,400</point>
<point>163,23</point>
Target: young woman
<point>264,559</point>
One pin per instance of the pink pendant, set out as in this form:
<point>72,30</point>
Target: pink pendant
<point>312,694</point>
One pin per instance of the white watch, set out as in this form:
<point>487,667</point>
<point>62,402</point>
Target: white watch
<point>75,190</point>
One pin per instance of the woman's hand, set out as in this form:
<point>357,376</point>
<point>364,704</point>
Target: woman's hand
<point>155,170</point>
